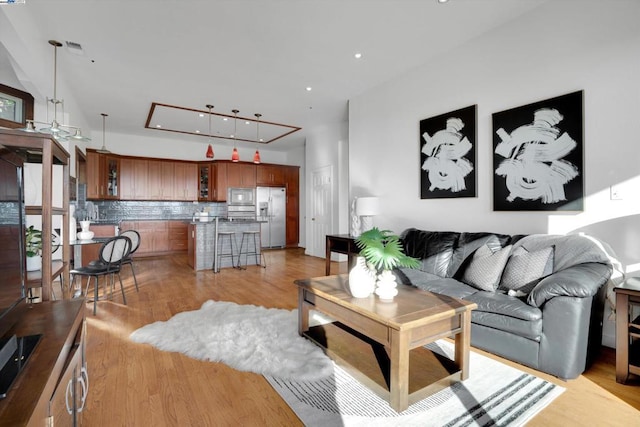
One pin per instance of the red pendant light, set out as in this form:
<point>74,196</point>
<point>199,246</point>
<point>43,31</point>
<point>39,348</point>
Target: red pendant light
<point>256,156</point>
<point>235,157</point>
<point>209,148</point>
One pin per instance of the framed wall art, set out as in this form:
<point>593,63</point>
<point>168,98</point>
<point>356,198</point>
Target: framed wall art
<point>448,155</point>
<point>538,156</point>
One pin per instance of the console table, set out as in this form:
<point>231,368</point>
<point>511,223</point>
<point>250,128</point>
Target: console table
<point>342,244</point>
<point>627,329</point>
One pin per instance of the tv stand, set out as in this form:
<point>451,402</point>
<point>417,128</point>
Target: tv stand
<point>52,387</point>
<point>14,357</point>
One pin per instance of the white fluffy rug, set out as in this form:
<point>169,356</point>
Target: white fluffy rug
<point>245,337</point>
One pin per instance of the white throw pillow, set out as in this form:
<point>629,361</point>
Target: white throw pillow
<point>485,269</point>
<point>525,269</point>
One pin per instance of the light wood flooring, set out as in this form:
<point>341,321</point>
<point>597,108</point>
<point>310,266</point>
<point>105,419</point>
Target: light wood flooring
<point>136,385</point>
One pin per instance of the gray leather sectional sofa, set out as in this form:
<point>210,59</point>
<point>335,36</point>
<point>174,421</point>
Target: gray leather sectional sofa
<point>540,297</point>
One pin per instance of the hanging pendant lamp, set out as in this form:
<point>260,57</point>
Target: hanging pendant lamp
<point>56,129</point>
<point>256,156</point>
<point>235,157</point>
<point>104,150</point>
<point>209,148</point>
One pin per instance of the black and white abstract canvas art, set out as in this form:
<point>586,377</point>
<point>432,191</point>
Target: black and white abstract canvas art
<point>448,155</point>
<point>538,156</point>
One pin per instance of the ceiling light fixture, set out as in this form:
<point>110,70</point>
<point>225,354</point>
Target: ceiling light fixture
<point>309,88</point>
<point>357,55</point>
<point>235,157</point>
<point>56,129</point>
<point>210,147</point>
<point>103,150</point>
<point>256,156</point>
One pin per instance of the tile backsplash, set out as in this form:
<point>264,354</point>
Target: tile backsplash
<point>134,210</point>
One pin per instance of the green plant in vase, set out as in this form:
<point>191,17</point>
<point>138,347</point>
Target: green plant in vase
<point>33,245</point>
<point>383,252</point>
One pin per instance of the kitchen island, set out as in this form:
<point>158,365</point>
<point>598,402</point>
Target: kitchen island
<point>202,237</point>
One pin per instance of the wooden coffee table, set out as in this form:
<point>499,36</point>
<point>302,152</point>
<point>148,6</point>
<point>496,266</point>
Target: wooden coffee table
<point>381,342</point>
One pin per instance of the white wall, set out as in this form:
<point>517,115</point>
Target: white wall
<point>539,56</point>
<point>559,48</point>
<point>327,146</point>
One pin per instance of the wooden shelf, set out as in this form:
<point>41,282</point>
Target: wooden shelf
<point>41,148</point>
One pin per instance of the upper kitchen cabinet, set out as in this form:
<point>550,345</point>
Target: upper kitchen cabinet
<point>212,183</point>
<point>270,175</point>
<point>103,173</point>
<point>185,181</point>
<point>134,179</point>
<point>160,180</point>
<point>241,175</point>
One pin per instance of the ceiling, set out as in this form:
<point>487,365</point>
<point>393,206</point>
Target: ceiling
<point>257,56</point>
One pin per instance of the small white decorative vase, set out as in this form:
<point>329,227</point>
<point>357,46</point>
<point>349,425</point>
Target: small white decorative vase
<point>34,263</point>
<point>386,286</point>
<point>362,281</point>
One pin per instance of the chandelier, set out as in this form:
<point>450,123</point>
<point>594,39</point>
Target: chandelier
<point>58,131</point>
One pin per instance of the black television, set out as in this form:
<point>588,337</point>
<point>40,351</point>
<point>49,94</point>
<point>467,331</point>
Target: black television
<point>14,351</point>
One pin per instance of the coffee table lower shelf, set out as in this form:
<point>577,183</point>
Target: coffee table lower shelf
<point>368,362</point>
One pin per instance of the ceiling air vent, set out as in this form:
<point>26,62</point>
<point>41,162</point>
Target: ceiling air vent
<point>75,48</point>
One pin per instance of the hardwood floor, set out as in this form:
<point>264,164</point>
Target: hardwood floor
<point>136,385</point>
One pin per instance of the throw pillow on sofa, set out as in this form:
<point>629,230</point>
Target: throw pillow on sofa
<point>525,269</point>
<point>486,266</point>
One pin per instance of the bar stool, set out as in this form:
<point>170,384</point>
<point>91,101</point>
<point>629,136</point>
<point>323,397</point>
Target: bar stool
<point>245,250</point>
<point>231,236</point>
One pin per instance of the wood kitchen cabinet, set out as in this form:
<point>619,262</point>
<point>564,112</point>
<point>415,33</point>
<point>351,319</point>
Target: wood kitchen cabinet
<point>103,175</point>
<point>270,175</point>
<point>160,180</point>
<point>292,179</point>
<point>212,182</point>
<point>185,181</point>
<point>178,236</point>
<point>241,175</point>
<point>154,236</point>
<point>134,179</point>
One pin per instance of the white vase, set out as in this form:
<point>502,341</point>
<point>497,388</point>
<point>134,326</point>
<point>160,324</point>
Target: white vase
<point>362,281</point>
<point>34,263</point>
<point>386,286</point>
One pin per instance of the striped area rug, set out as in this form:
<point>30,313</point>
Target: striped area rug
<point>494,394</point>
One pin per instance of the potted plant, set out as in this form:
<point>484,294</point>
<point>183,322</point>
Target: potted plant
<point>383,252</point>
<point>33,244</point>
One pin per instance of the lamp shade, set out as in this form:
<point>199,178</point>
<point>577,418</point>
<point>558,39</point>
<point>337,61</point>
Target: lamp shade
<point>367,206</point>
<point>256,157</point>
<point>235,156</point>
<point>210,152</point>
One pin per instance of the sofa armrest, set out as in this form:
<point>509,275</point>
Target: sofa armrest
<point>580,281</point>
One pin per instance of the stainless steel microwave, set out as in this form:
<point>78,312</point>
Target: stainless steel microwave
<point>241,196</point>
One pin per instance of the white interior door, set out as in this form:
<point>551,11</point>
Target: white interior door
<point>321,209</point>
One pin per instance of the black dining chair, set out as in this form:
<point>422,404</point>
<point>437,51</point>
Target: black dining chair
<point>112,253</point>
<point>134,236</point>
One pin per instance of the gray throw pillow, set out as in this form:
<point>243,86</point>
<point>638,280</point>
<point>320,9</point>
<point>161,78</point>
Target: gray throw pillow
<point>525,269</point>
<point>486,267</point>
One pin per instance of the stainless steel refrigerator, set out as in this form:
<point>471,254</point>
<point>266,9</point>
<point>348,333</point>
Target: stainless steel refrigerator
<point>271,208</point>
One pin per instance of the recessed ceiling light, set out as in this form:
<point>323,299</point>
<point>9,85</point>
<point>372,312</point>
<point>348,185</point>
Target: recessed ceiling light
<point>357,55</point>
<point>201,115</point>
<point>247,122</point>
<point>197,131</point>
<point>309,88</point>
<point>225,119</point>
<point>158,126</point>
<point>442,1</point>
